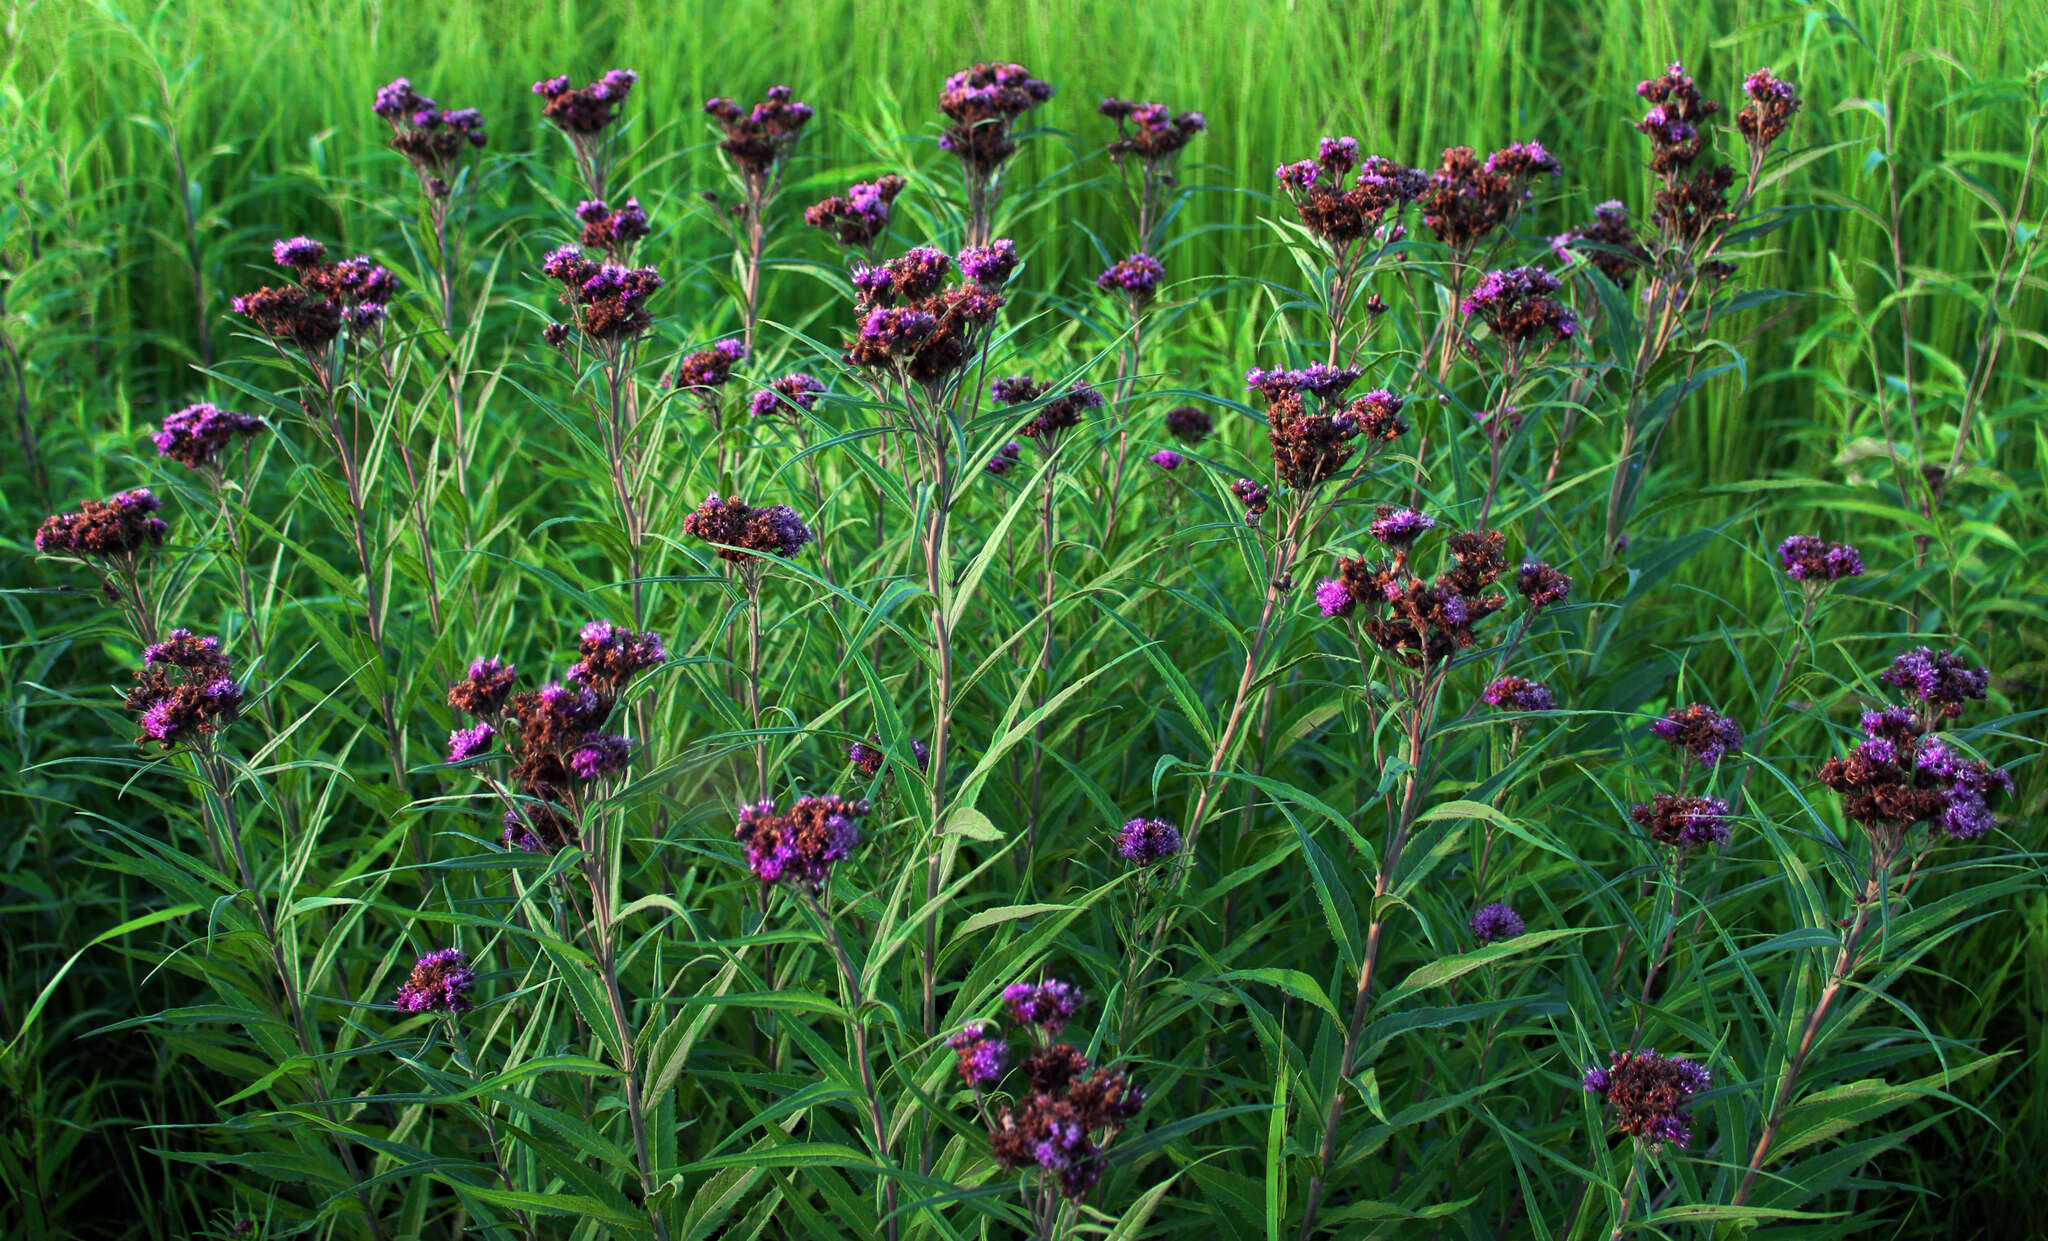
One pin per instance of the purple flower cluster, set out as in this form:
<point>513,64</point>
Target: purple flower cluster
<point>1466,199</point>
<point>1188,424</point>
<point>1513,693</point>
<point>612,229</point>
<point>432,140</point>
<point>911,321</point>
<point>466,743</point>
<point>1059,413</point>
<point>1400,527</point>
<point>742,532</point>
<point>1310,427</point>
<point>612,655</point>
<point>983,1054</point>
<point>1900,775</point>
<point>1683,822</point>
<point>707,369</point>
<point>1943,680</point>
<point>1648,1094</point>
<point>196,435</point>
<point>1540,585</point>
<point>792,395</point>
<point>1810,559</point>
<point>1149,132</point>
<point>1615,250</point>
<point>1369,205</point>
<point>869,757</point>
<point>1772,103</point>
<point>1516,303</point>
<point>584,111</point>
<point>1049,1005</point>
<point>116,527</point>
<point>801,845</point>
<point>1495,922</point>
<point>982,103</point>
<point>1167,459</point>
<point>760,139</point>
<point>1136,277</point>
<point>439,983</point>
<point>608,300</point>
<point>1147,841</point>
<point>1702,732</point>
<point>1253,497</point>
<point>859,217</point>
<point>185,690</point>
<point>991,265</point>
<point>311,312</point>
<point>1005,458</point>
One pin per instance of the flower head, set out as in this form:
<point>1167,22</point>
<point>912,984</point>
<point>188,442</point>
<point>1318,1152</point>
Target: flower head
<point>484,689</point>
<point>1516,303</point>
<point>990,265</point>
<point>467,743</point>
<point>1699,730</point>
<point>760,138</point>
<point>982,103</point>
<point>743,532</point>
<point>1648,1093</point>
<point>1514,693</point>
<point>118,526</point>
<point>1808,558</point>
<point>1136,277</point>
<point>983,1055</point>
<point>1188,424</point>
<point>584,111</point>
<point>1005,458</point>
<point>792,395</point>
<point>1147,841</point>
<point>613,655</point>
<point>440,983</point>
<point>184,691</point>
<point>196,435</point>
<point>1049,1005</point>
<point>1683,822</point>
<point>1400,527</point>
<point>801,845</point>
<point>1167,459</point>
<point>1540,585</point>
<point>1772,104</point>
<point>1253,497</point>
<point>859,217</point>
<point>1943,680</point>
<point>1495,922</point>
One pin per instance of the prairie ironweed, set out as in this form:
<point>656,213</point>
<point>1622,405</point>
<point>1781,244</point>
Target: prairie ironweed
<point>439,983</point>
<point>1253,497</point>
<point>706,370</point>
<point>607,300</point>
<point>1428,619</point>
<point>1615,251</point>
<point>858,218</point>
<point>991,265</point>
<point>760,140</point>
<point>1005,459</point>
<point>742,532</point>
<point>801,846</point>
<point>1942,680</point>
<point>1149,132</point>
<point>1466,199</point>
<point>612,229</point>
<point>1147,841</point>
<point>1167,459</point>
<point>983,1054</point>
<point>1341,214</point>
<point>1648,1094</point>
<point>1772,103</point>
<point>1512,693</point>
<point>600,756</point>
<point>1683,822</point>
<point>1900,775</point>
<point>1495,922</point>
<point>1334,598</point>
<point>912,322</point>
<point>868,756</point>
<point>196,435</point>
<point>1309,431</point>
<point>1049,1005</point>
<point>467,743</point>
<point>583,112</point>
<point>1061,413</point>
<point>484,689</point>
<point>612,656</point>
<point>1400,527</point>
<point>1702,732</point>
<point>1060,1127</point>
<point>1540,585</point>
<point>1809,559</point>
<point>1136,277</point>
<point>118,526</point>
<point>311,313</point>
<point>1188,424</point>
<point>1516,303</point>
<point>983,101</point>
<point>184,691</point>
<point>792,395</point>
<point>433,140</point>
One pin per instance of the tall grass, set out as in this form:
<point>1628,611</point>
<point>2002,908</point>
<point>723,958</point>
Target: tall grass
<point>788,1050</point>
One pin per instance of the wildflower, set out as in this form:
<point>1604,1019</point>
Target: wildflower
<point>311,312</point>
<point>1772,103</point>
<point>1540,585</point>
<point>298,253</point>
<point>1005,459</point>
<point>1427,619</point>
<point>983,102</point>
<point>185,690</point>
<point>801,846</point>
<point>1167,459</point>
<point>432,139</point>
<point>858,217</point>
<point>1513,693</point>
<point>1150,132</point>
<point>1615,252</point>
<point>1061,413</point>
<point>118,526</point>
<point>484,689</point>
<point>1400,527</point>
<point>1309,432</point>
<point>1941,679</point>
<point>742,532</point>
<point>1147,841</point>
<point>1648,1094</point>
<point>585,111</point>
<point>1467,199</point>
<point>467,743</point>
<point>440,983</point>
<point>1137,277</point>
<point>613,655</point>
<point>707,369</point>
<point>1253,497</point>
<point>761,138</point>
<point>1681,822</point>
<point>600,756</point>
<point>792,395</point>
<point>1342,214</point>
<point>1699,730</point>
<point>1334,598</point>
<point>1898,776</point>
<point>1188,424</point>
<point>1809,559</point>
<point>990,265</point>
<point>983,1055</point>
<point>1496,922</point>
<point>1515,302</point>
<point>538,828</point>
<point>1059,1127</point>
<point>613,230</point>
<point>1049,1005</point>
<point>197,434</point>
<point>868,756</point>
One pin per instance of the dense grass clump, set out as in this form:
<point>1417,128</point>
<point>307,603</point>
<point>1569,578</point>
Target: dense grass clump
<point>1138,641</point>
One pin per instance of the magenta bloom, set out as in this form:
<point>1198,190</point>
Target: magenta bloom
<point>1514,693</point>
<point>600,756</point>
<point>1006,459</point>
<point>1807,558</point>
<point>1148,841</point>
<point>1495,922</point>
<point>1702,732</point>
<point>1049,1005</point>
<point>1333,598</point>
<point>1401,527</point>
<point>1648,1094</point>
<point>991,264</point>
<point>1167,459</point>
<point>467,743</point>
<point>1137,276</point>
<point>1942,679</point>
<point>983,1054</point>
<point>800,846</point>
<point>440,983</point>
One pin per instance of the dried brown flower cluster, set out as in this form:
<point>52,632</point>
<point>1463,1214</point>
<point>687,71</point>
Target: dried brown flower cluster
<point>120,525</point>
<point>1468,198</point>
<point>1426,619</point>
<point>185,691</point>
<point>1060,1127</point>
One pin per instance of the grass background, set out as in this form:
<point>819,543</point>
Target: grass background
<point>157,151</point>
